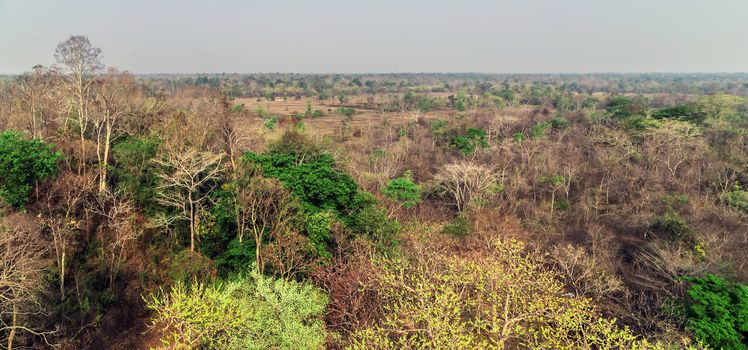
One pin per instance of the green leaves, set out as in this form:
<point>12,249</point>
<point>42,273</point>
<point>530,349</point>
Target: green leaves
<point>24,163</point>
<point>252,312</point>
<point>717,312</point>
<point>404,191</point>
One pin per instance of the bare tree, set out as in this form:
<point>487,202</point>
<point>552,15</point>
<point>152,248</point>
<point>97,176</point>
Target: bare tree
<point>111,106</point>
<point>80,60</point>
<point>64,201</point>
<point>117,228</point>
<point>464,181</point>
<point>22,266</point>
<point>188,176</point>
<point>34,87</point>
<point>264,208</point>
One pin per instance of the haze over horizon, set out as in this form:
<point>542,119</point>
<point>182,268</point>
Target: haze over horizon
<point>335,36</point>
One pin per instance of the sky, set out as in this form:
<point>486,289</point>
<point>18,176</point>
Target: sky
<point>381,36</point>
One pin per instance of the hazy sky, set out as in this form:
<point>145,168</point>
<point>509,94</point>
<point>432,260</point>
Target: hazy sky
<point>308,36</point>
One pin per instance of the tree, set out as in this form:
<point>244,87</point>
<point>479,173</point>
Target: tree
<point>403,190</point>
<point>263,207</point>
<point>116,229</point>
<point>23,164</point>
<point>188,176</point>
<point>717,312</point>
<point>35,87</point>
<point>111,99</point>
<point>464,182</point>
<point>80,60</point>
<point>252,312</point>
<point>23,264</point>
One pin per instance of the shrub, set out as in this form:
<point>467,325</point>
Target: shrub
<point>372,222</point>
<point>271,123</point>
<point>469,141</point>
<point>346,111</point>
<point>403,190</point>
<point>559,123</point>
<point>23,164</point>
<point>736,199</point>
<point>717,312</point>
<point>459,227</point>
<point>134,171</point>
<point>253,312</point>
<point>539,129</point>
<point>318,228</point>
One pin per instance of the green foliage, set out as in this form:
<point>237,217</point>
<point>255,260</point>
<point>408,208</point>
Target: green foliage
<point>679,112</point>
<point>736,199</point>
<point>539,129</point>
<point>620,107</point>
<point>427,103</point>
<point>469,141</point>
<point>314,179</point>
<point>134,172</point>
<point>237,257</point>
<point>24,163</point>
<point>271,122</point>
<point>459,227</point>
<point>461,101</point>
<point>717,312</point>
<point>238,107</point>
<point>252,312</point>
<point>346,111</point>
<point>672,224</point>
<point>559,123</point>
<point>403,190</point>
<point>372,222</point>
<point>319,231</point>
<point>519,136</point>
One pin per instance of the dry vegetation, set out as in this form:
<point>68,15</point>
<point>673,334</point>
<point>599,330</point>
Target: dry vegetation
<point>371,211</point>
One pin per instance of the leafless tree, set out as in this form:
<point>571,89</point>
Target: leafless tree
<point>22,265</point>
<point>117,228</point>
<point>35,87</point>
<point>188,176</point>
<point>65,200</point>
<point>80,61</point>
<point>465,181</point>
<point>111,102</point>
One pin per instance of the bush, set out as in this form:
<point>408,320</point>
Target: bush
<point>469,141</point>
<point>372,222</point>
<point>717,312</point>
<point>23,164</point>
<point>346,111</point>
<point>559,123</point>
<point>253,312</point>
<point>736,199</point>
<point>134,172</point>
<point>539,129</point>
<point>318,228</point>
<point>403,190</point>
<point>459,227</point>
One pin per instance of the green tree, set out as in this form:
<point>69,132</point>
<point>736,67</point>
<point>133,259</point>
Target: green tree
<point>23,164</point>
<point>717,312</point>
<point>403,190</point>
<point>252,312</point>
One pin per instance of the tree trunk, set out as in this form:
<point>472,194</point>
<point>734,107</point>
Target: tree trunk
<point>12,333</point>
